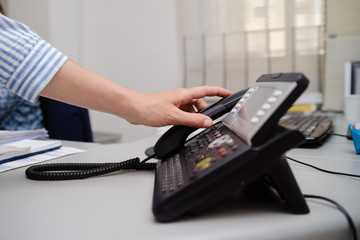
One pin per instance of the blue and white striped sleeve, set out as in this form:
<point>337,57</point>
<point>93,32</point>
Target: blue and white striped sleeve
<point>27,62</point>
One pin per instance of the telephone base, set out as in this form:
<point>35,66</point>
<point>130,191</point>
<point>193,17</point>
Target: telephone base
<point>183,184</point>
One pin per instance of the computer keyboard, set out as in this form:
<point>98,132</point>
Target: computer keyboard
<point>315,128</point>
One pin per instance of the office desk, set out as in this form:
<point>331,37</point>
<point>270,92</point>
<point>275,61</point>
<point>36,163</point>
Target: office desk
<point>118,206</point>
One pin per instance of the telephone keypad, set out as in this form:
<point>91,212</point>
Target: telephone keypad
<point>209,148</point>
<point>201,153</point>
<point>171,174</point>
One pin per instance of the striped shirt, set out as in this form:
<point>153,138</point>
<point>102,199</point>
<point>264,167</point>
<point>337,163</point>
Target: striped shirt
<point>27,62</point>
<point>18,114</point>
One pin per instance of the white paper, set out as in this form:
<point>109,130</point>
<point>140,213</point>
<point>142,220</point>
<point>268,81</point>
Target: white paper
<point>26,146</point>
<point>63,151</point>
<point>11,136</point>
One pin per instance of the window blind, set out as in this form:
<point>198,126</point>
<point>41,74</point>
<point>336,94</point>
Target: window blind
<point>230,43</point>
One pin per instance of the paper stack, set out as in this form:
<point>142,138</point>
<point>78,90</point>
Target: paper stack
<point>12,136</point>
<point>20,144</point>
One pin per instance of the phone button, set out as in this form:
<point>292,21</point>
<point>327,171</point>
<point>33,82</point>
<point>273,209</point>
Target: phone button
<point>278,93</point>
<point>272,99</point>
<point>222,151</point>
<point>260,113</point>
<point>255,119</point>
<point>266,106</point>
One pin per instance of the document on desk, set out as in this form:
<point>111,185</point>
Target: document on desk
<point>60,152</point>
<point>12,136</point>
<point>25,148</point>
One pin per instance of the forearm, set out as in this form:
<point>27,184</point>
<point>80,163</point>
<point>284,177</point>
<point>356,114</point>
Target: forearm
<point>77,86</point>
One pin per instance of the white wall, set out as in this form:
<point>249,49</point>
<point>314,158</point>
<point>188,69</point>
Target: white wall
<point>33,13</point>
<point>131,42</point>
<point>134,43</point>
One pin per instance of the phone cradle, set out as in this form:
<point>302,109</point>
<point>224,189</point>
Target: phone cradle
<point>236,171</point>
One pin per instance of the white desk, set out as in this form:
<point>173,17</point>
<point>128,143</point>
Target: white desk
<point>119,206</point>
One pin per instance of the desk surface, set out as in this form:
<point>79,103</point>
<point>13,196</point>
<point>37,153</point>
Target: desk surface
<point>119,206</point>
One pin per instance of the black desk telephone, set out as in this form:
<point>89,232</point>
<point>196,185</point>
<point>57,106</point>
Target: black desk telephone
<point>246,146</point>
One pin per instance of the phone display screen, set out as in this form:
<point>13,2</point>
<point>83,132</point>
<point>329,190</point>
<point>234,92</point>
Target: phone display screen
<point>251,108</point>
<point>256,107</point>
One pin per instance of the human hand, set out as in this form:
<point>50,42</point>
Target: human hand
<point>174,107</point>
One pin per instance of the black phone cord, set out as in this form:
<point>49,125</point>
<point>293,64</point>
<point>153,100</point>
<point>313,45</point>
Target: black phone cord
<point>75,171</point>
<point>342,210</point>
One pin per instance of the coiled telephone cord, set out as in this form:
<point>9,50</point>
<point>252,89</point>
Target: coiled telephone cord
<point>75,171</point>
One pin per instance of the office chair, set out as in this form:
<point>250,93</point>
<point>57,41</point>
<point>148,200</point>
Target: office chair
<point>66,122</point>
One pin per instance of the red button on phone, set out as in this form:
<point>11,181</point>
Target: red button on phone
<point>222,151</point>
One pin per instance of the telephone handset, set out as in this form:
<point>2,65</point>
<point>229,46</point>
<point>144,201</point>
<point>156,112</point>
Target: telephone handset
<point>246,146</point>
<point>175,137</point>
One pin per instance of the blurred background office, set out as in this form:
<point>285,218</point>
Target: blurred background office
<point>152,46</point>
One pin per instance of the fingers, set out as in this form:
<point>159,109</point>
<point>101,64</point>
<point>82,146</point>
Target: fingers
<point>176,107</point>
<point>202,91</point>
<point>199,104</point>
<point>194,97</point>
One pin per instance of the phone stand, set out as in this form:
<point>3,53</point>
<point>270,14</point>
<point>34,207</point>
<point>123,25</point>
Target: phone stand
<point>277,172</point>
<point>281,179</point>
